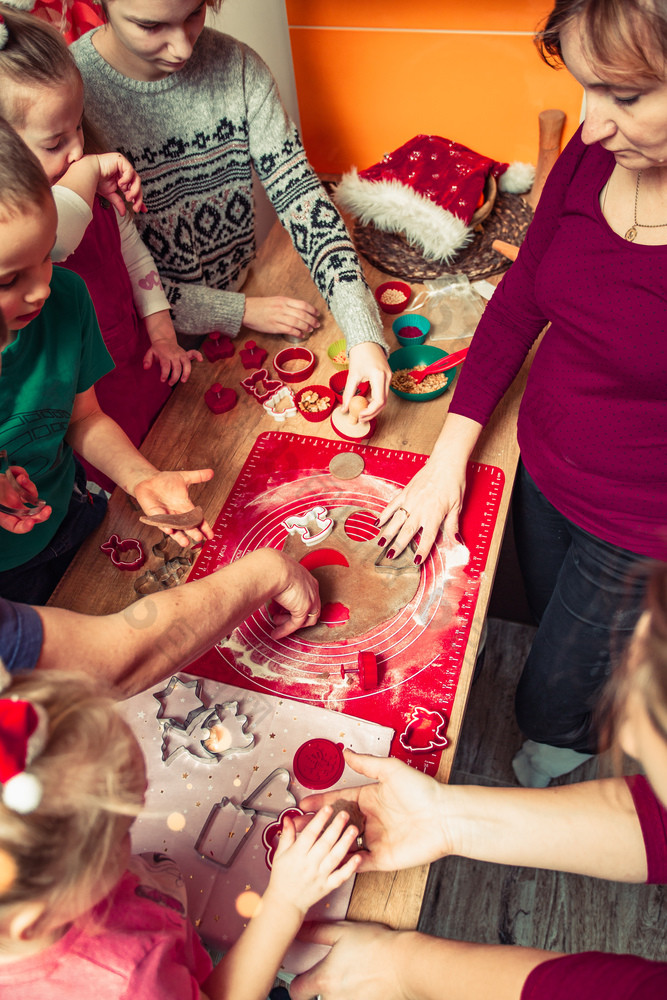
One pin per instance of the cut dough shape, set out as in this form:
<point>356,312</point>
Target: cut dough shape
<point>224,832</point>
<point>347,465</point>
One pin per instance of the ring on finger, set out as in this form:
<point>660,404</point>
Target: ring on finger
<point>404,511</point>
<point>313,614</point>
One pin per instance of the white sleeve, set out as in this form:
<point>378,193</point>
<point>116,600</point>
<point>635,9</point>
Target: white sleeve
<point>147,290</point>
<point>74,217</point>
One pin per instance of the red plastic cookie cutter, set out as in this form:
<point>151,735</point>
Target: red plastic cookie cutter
<point>115,548</point>
<point>294,354</point>
<point>367,668</point>
<point>217,346</point>
<point>260,380</point>
<point>271,834</point>
<point>219,399</point>
<point>252,356</point>
<point>319,763</point>
<point>424,732</point>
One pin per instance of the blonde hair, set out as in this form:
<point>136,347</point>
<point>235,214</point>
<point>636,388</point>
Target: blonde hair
<point>626,39</point>
<point>644,666</point>
<point>24,186</point>
<point>92,777</point>
<point>33,55</point>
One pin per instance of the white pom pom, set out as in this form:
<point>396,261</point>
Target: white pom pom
<point>4,34</point>
<point>22,793</point>
<point>20,4</point>
<point>517,178</point>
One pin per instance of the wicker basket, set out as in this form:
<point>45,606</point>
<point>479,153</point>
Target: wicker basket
<point>508,219</point>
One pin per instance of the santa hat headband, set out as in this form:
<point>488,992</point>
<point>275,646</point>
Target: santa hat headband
<point>23,732</point>
<point>428,190</point>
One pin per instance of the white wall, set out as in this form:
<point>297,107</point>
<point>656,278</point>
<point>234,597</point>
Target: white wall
<point>262,24</point>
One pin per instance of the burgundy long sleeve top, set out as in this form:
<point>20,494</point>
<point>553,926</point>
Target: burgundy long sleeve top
<point>593,420</point>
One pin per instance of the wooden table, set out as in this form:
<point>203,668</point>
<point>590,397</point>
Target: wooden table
<point>187,436</point>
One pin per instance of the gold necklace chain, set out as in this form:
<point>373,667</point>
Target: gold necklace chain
<point>632,231</point>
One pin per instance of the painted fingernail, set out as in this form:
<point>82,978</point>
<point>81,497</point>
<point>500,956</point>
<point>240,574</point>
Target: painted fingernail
<point>382,542</point>
<point>418,560</point>
<point>390,554</point>
<point>458,538</point>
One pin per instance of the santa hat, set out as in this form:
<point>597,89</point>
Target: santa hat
<point>23,732</point>
<point>428,190</point>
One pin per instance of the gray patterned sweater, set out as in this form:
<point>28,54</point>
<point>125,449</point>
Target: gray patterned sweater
<point>192,137</point>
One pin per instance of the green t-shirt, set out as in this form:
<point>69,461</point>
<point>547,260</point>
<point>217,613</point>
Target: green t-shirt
<point>57,356</point>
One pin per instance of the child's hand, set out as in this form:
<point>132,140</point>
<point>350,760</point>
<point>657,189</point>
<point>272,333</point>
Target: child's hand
<point>368,362</point>
<point>167,493</point>
<point>118,174</point>
<point>15,499</point>
<point>278,314</point>
<point>305,868</point>
<point>175,363</point>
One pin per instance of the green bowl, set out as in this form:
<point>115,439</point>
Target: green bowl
<point>417,322</point>
<point>411,357</point>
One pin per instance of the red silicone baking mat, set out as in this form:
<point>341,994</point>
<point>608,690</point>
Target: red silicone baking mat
<point>419,649</point>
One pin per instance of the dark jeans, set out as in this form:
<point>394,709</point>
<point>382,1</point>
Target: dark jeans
<point>586,595</point>
<point>35,581</point>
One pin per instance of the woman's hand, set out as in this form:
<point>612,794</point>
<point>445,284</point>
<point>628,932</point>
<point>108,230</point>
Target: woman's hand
<point>310,865</point>
<point>368,363</point>
<point>118,175</point>
<point>167,493</point>
<point>362,962</point>
<point>280,314</point>
<point>14,497</point>
<point>404,809</point>
<point>434,496</point>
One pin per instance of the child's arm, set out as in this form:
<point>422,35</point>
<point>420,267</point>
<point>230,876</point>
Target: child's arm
<point>102,443</point>
<point>152,305</point>
<point>110,175</point>
<point>305,869</point>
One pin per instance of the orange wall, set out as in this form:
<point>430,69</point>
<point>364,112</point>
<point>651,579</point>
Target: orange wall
<point>372,73</point>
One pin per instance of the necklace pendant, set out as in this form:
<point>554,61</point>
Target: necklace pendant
<point>631,233</point>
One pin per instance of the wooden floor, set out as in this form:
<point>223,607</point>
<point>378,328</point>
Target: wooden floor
<point>473,901</point>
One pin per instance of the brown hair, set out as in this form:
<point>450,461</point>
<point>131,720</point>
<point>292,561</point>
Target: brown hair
<point>33,55</point>
<point>92,778</point>
<point>644,666</point>
<point>213,4</point>
<point>624,38</point>
<point>23,184</point>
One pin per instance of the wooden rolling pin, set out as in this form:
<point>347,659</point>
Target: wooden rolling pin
<point>551,125</point>
<point>506,249</point>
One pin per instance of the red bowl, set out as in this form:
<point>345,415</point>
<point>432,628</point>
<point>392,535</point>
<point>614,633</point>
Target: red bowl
<point>391,290</point>
<point>338,382</point>
<point>323,391</point>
